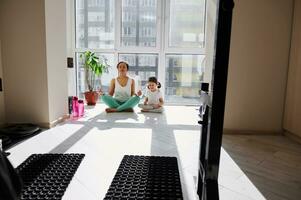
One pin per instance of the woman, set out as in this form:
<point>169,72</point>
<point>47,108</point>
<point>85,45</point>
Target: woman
<point>123,90</point>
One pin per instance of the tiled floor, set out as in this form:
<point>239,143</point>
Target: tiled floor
<point>271,163</point>
<point>105,138</point>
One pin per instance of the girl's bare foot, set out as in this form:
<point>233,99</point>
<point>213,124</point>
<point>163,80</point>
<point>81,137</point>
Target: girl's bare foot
<point>110,110</point>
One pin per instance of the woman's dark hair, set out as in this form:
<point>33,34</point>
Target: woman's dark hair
<point>154,80</point>
<point>126,64</point>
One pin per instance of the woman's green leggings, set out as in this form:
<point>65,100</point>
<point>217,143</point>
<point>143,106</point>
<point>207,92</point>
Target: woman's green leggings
<point>120,106</point>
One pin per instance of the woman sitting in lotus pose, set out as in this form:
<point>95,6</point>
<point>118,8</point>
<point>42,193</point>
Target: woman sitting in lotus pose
<point>122,95</point>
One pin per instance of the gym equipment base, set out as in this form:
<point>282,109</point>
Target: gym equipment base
<point>47,176</point>
<point>146,177</point>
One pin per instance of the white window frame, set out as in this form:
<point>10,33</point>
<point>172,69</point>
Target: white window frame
<point>162,40</point>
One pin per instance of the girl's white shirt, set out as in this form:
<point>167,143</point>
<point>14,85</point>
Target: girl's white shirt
<point>153,97</point>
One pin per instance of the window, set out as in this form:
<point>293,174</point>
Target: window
<point>184,74</point>
<point>95,24</point>
<point>186,23</point>
<point>167,43</point>
<point>140,18</point>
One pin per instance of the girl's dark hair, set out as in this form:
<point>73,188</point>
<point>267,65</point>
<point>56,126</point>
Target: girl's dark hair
<point>154,80</point>
<point>126,64</point>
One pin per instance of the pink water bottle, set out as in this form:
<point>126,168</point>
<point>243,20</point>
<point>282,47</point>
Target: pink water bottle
<point>75,107</point>
<point>81,108</point>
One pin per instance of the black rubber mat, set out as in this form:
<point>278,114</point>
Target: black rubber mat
<point>47,176</point>
<point>146,177</point>
<point>15,133</point>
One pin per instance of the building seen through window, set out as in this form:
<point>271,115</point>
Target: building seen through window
<point>135,31</point>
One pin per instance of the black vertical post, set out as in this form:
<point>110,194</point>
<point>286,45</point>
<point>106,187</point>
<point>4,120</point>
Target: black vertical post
<point>203,149</point>
<point>208,179</point>
<point>1,85</point>
<point>219,85</point>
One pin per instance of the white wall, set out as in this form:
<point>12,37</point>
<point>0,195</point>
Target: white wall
<point>292,118</point>
<point>2,105</point>
<point>56,52</point>
<point>258,65</point>
<point>34,60</point>
<point>24,61</point>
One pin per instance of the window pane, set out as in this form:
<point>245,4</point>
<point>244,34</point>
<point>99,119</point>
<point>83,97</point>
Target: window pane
<point>139,18</point>
<point>102,82</point>
<point>142,66</point>
<point>187,23</point>
<point>184,74</point>
<point>95,24</point>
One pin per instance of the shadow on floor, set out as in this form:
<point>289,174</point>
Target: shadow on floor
<point>163,142</point>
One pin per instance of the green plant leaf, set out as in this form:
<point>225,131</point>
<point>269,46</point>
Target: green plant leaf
<point>94,66</point>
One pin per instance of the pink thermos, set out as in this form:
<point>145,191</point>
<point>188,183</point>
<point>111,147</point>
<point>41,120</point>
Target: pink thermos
<point>75,107</point>
<point>81,108</point>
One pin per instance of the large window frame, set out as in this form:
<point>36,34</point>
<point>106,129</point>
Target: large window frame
<point>162,48</point>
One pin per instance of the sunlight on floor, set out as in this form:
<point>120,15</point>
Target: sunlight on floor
<point>180,115</point>
<point>233,183</point>
<point>42,143</point>
<point>106,138</point>
<point>118,141</point>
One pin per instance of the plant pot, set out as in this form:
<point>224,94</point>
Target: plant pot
<point>91,98</point>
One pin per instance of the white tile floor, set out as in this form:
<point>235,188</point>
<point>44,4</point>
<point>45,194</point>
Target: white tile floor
<point>105,138</point>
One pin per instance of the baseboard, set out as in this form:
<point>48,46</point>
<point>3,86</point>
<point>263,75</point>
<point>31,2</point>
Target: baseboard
<point>54,122</point>
<point>43,124</point>
<point>250,132</point>
<point>59,120</point>
<point>293,136</point>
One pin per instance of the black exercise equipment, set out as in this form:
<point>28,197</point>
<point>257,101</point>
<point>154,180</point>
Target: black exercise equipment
<point>15,133</point>
<point>212,115</point>
<point>10,182</point>
<point>145,178</point>
<point>47,176</point>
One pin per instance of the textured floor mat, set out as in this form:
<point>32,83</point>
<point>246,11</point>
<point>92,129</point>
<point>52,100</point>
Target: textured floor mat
<point>146,177</point>
<point>47,176</point>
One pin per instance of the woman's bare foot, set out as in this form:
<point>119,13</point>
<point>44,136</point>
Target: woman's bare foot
<point>144,110</point>
<point>110,110</point>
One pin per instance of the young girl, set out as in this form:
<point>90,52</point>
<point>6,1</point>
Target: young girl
<point>153,101</point>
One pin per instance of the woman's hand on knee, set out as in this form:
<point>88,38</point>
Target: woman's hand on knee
<point>139,93</point>
<point>100,92</point>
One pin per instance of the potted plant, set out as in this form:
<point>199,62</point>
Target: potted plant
<point>94,67</point>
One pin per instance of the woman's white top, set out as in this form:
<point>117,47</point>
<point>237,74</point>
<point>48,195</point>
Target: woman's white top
<point>153,97</point>
<point>122,94</point>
